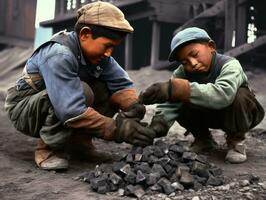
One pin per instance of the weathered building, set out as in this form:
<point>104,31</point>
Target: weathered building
<point>154,22</point>
<point>228,21</point>
<point>17,31</point>
<point>17,20</point>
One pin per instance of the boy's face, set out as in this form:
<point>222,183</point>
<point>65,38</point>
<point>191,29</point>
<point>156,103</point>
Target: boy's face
<point>96,49</point>
<point>196,57</point>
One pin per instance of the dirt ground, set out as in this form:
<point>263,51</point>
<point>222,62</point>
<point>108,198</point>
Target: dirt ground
<point>21,179</point>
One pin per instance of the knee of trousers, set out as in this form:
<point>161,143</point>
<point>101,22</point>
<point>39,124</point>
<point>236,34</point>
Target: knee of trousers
<point>101,96</point>
<point>194,118</point>
<point>245,111</point>
<point>88,93</point>
<point>96,92</point>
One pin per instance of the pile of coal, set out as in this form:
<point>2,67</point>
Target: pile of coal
<point>164,168</point>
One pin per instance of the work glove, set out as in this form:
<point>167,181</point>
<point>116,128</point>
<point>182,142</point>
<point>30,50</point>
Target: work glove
<point>94,123</point>
<point>175,89</point>
<point>131,131</point>
<point>156,93</point>
<point>136,110</point>
<point>159,125</point>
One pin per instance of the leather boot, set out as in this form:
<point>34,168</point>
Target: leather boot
<point>80,147</point>
<point>236,150</point>
<point>49,159</point>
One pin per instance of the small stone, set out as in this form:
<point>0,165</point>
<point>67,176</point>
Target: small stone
<point>254,179</point>
<point>130,177</point>
<point>187,179</point>
<point>181,197</point>
<point>249,196</point>
<point>129,158</point>
<point>138,157</point>
<point>126,169</point>
<point>214,181</point>
<point>171,195</point>
<point>144,167</point>
<point>196,198</point>
<point>178,186</point>
<point>121,192</point>
<point>158,152</point>
<point>156,187</point>
<point>244,183</point>
<point>140,177</point>
<point>166,185</point>
<point>263,185</point>
<point>233,184</point>
<point>189,156</point>
<point>152,178</point>
<point>224,187</point>
<point>115,179</point>
<point>156,168</point>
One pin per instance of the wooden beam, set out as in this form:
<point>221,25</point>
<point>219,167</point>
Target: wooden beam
<point>246,47</point>
<point>2,16</point>
<point>128,52</point>
<point>140,15</point>
<point>230,23</point>
<point>211,12</point>
<point>241,23</point>
<point>120,3</point>
<point>185,2</point>
<point>155,44</point>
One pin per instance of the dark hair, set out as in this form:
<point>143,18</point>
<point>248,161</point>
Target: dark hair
<point>100,31</point>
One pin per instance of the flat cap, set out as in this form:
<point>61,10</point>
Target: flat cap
<point>104,14</point>
<point>184,36</point>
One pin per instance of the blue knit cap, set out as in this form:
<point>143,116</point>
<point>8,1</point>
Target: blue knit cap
<point>184,36</point>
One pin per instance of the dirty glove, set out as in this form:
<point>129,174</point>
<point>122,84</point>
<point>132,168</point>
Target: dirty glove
<point>159,125</point>
<point>127,101</point>
<point>172,90</point>
<point>133,132</point>
<point>136,110</point>
<point>156,93</point>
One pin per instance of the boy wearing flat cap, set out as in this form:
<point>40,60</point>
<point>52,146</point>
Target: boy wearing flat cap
<point>71,87</point>
<point>207,90</point>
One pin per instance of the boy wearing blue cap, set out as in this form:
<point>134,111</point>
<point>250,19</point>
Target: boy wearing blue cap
<point>207,90</point>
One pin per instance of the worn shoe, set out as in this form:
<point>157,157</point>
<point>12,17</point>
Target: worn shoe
<point>202,144</point>
<point>237,153</point>
<point>81,147</point>
<point>49,159</point>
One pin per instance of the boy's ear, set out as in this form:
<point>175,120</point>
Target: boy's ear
<point>212,44</point>
<point>85,32</point>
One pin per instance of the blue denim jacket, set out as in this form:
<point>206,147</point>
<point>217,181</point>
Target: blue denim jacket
<point>62,73</point>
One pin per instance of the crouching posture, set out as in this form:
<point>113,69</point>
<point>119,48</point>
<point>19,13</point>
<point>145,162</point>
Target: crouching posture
<point>207,90</point>
<point>71,87</point>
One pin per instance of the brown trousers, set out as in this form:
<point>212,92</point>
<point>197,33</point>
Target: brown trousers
<point>242,115</point>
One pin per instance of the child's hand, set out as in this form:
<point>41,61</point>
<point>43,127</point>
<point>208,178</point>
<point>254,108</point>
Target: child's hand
<point>156,93</point>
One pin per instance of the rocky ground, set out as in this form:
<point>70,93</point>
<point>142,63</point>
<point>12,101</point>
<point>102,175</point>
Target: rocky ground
<point>21,179</point>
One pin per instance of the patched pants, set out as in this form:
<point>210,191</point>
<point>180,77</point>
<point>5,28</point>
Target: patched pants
<point>243,114</point>
<point>31,112</point>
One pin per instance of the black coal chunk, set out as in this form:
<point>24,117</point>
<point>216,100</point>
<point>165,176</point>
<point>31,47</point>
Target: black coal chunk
<point>166,185</point>
<point>161,167</point>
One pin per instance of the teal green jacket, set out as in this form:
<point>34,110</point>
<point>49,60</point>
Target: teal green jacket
<point>216,93</point>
